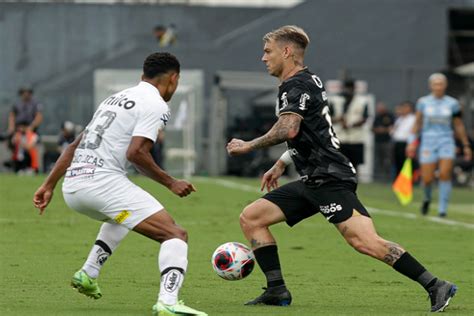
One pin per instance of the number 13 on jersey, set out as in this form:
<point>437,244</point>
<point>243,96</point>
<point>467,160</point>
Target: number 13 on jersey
<point>92,137</point>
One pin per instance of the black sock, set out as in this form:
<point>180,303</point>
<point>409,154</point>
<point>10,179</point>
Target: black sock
<point>267,259</point>
<point>409,267</point>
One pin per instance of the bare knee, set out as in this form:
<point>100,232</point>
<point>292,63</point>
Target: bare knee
<point>248,219</point>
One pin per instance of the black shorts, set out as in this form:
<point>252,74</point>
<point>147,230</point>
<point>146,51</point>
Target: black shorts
<point>336,201</point>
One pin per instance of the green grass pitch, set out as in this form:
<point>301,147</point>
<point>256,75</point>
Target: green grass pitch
<point>38,256</point>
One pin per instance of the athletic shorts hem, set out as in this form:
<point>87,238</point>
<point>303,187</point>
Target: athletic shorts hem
<point>121,203</point>
<point>298,201</point>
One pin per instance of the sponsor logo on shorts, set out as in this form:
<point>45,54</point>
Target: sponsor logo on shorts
<point>122,216</point>
<point>330,209</point>
<point>172,281</point>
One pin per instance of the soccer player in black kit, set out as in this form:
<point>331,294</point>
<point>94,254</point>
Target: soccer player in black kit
<point>327,183</point>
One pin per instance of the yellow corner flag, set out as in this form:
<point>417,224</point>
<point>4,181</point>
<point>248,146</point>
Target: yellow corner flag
<point>403,185</point>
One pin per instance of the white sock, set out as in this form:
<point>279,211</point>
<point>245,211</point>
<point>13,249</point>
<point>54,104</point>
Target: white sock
<point>173,262</point>
<point>109,237</point>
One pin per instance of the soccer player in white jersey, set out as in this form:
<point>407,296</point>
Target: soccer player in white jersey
<point>123,131</point>
<point>437,114</point>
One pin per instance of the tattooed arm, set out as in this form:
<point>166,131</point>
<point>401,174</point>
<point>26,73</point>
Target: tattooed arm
<point>286,128</point>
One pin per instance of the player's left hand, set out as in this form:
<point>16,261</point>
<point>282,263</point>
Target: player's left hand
<point>238,147</point>
<point>42,198</point>
<point>270,178</point>
<point>467,153</point>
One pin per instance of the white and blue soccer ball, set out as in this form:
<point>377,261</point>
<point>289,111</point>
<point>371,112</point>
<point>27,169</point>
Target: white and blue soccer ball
<point>233,261</point>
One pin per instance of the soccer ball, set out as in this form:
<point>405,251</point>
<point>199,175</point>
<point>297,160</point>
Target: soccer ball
<point>233,261</point>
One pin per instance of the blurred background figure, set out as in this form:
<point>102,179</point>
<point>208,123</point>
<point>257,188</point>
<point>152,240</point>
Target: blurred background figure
<point>400,133</point>
<point>66,136</point>
<point>157,151</point>
<point>463,172</point>
<point>52,150</point>
<point>351,119</point>
<point>165,36</point>
<point>26,110</point>
<point>437,114</point>
<point>24,149</point>
<point>382,125</point>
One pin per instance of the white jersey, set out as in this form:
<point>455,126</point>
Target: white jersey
<point>137,111</point>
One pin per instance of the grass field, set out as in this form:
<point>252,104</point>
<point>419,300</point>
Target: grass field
<point>326,277</point>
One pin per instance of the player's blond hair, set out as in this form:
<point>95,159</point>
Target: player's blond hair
<point>437,75</point>
<point>289,33</point>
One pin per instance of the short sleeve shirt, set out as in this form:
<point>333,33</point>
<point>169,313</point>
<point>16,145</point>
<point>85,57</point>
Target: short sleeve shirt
<point>438,115</point>
<point>138,111</point>
<point>26,112</point>
<point>315,150</point>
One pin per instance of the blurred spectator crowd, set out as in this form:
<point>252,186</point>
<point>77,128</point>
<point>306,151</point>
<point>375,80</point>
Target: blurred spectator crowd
<point>349,112</point>
<point>350,116</point>
<point>23,139</point>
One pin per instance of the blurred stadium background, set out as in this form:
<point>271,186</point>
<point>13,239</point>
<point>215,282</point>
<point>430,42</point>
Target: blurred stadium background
<point>73,53</point>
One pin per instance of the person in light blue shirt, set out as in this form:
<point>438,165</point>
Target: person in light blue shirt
<point>438,118</point>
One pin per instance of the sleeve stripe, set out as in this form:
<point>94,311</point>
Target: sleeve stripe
<point>289,112</point>
<point>457,114</point>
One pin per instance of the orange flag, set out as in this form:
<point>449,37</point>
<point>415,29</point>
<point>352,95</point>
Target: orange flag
<point>403,185</point>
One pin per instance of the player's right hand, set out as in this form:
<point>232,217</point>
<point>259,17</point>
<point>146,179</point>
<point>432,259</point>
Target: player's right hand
<point>182,188</point>
<point>42,198</point>
<point>270,178</point>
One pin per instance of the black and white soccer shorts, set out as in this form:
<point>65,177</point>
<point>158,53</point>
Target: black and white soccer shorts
<point>336,201</point>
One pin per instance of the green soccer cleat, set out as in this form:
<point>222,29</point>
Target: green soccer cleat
<point>86,285</point>
<point>160,309</point>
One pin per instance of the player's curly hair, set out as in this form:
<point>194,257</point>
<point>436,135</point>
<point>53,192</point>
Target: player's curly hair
<point>289,33</point>
<point>160,63</point>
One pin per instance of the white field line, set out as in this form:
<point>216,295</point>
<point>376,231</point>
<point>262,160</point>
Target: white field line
<point>460,208</point>
<point>249,188</point>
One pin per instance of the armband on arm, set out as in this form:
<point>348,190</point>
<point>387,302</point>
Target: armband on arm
<point>286,158</point>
